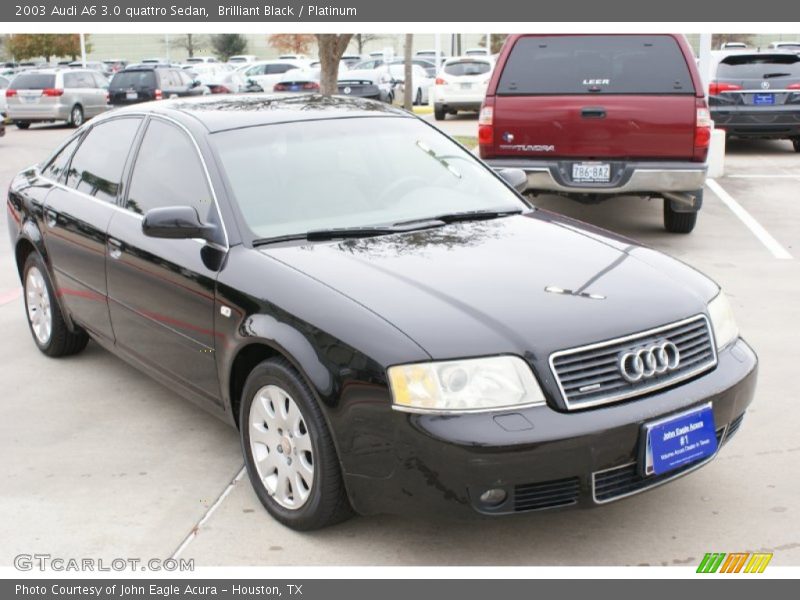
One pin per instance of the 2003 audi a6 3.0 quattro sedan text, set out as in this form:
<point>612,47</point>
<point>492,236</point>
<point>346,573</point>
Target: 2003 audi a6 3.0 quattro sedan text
<point>390,325</point>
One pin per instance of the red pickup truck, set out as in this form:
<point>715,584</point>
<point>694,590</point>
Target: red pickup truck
<point>595,116</point>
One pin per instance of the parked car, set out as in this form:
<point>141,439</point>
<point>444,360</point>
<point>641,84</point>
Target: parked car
<point>351,59</point>
<point>461,85</point>
<point>196,60</point>
<point>145,82</point>
<point>47,95</point>
<point>4,81</point>
<point>98,66</point>
<point>239,59</point>
<point>298,80</point>
<point>420,81</point>
<point>477,52</point>
<point>369,64</point>
<point>366,369</point>
<point>428,65</point>
<point>115,64</point>
<point>596,116</point>
<point>371,84</point>
<point>267,73</point>
<point>223,81</point>
<point>757,95</point>
<point>792,46</point>
<point>733,46</point>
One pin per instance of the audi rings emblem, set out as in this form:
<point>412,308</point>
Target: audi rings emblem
<point>649,361</point>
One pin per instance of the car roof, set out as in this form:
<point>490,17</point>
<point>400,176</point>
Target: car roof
<point>235,111</point>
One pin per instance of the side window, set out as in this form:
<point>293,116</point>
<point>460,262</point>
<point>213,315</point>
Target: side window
<point>85,80</point>
<point>57,167</point>
<point>96,168</point>
<point>168,172</point>
<point>70,80</point>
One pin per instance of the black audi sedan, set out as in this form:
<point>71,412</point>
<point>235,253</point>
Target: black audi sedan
<point>390,325</point>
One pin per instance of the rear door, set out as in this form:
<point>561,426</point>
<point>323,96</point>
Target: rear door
<point>76,214</point>
<point>594,96</point>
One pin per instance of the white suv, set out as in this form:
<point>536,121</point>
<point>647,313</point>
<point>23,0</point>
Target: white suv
<point>461,85</point>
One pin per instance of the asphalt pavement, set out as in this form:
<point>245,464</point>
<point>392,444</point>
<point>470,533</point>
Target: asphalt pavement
<point>100,461</point>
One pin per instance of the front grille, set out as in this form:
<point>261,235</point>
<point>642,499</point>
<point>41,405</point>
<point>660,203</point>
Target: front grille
<point>591,375</point>
<point>618,482</point>
<point>547,494</point>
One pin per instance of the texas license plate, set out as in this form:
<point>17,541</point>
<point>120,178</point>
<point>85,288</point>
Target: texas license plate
<point>131,96</point>
<point>29,99</point>
<point>466,86</point>
<point>679,440</point>
<point>591,172</point>
<point>762,99</point>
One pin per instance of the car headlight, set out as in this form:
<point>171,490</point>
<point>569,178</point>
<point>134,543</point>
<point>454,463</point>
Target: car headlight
<point>725,329</point>
<point>476,384</point>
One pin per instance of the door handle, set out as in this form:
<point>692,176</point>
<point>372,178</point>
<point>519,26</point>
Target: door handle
<point>114,248</point>
<point>50,217</point>
<point>596,112</point>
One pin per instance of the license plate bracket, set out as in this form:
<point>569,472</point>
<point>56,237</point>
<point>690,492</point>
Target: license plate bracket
<point>678,440</point>
<point>591,172</point>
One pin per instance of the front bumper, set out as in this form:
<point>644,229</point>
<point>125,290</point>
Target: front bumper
<point>745,121</point>
<point>627,177</point>
<point>542,458</point>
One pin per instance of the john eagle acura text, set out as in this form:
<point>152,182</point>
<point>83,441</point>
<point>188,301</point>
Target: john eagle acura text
<point>390,325</point>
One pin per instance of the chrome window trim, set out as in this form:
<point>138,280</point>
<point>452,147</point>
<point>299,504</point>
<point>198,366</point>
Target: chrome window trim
<point>645,389</point>
<point>124,210</point>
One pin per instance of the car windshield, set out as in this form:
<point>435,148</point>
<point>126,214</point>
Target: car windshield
<point>292,178</point>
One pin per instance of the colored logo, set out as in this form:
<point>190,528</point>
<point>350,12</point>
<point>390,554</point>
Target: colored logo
<point>734,562</point>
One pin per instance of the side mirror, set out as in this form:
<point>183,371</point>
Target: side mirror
<point>176,222</point>
<point>516,178</point>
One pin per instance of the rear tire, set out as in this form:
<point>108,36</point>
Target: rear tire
<point>418,97</point>
<point>22,124</point>
<point>678,222</point>
<point>439,113</point>
<point>289,451</point>
<point>76,117</point>
<point>48,327</point>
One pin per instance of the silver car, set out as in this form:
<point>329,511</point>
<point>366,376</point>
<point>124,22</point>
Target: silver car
<point>46,95</point>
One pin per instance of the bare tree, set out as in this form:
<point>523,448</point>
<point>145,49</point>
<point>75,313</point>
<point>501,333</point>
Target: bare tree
<point>331,48</point>
<point>408,84</point>
<point>191,42</point>
<point>362,39</point>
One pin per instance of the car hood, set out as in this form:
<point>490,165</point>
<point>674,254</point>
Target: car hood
<point>479,288</point>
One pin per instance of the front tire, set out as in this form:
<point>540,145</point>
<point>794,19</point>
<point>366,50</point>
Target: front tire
<point>76,116</point>
<point>678,222</point>
<point>48,327</point>
<point>288,450</point>
<point>22,124</point>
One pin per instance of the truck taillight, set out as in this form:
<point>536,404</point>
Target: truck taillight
<point>53,92</point>
<point>158,94</point>
<point>486,126</point>
<point>715,88</point>
<point>702,131</point>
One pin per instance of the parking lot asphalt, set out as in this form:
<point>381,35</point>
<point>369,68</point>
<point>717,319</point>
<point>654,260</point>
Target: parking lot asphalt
<point>100,461</point>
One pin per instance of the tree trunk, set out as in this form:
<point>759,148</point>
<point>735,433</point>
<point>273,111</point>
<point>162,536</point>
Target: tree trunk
<point>331,48</point>
<point>360,43</point>
<point>408,80</point>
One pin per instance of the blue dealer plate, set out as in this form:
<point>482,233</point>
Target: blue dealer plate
<point>762,99</point>
<point>679,440</point>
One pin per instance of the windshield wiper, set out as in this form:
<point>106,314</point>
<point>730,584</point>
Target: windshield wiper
<point>469,215</point>
<point>350,232</point>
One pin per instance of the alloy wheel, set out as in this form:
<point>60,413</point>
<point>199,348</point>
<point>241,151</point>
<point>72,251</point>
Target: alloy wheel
<point>37,301</point>
<point>281,447</point>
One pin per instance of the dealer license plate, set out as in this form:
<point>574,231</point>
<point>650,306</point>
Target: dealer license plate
<point>591,172</point>
<point>679,440</point>
<point>762,99</point>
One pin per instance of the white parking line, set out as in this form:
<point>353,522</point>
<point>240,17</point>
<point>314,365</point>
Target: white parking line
<point>760,176</point>
<point>762,234</point>
<point>196,529</point>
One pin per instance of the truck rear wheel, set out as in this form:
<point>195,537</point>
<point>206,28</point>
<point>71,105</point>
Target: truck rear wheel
<point>678,222</point>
